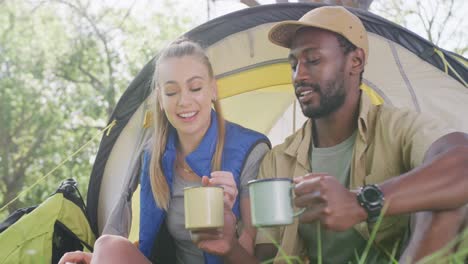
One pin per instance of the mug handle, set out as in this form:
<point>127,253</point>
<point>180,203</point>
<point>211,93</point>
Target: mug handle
<point>302,210</point>
<point>298,213</point>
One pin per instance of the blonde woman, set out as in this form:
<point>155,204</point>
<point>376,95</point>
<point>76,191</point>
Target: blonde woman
<point>192,144</point>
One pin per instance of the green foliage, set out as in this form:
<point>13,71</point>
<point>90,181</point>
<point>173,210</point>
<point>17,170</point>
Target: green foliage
<point>63,66</point>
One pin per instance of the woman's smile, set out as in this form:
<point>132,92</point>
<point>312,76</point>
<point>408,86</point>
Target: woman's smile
<point>187,116</point>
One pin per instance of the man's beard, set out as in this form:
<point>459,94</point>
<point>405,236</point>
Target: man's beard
<point>331,98</point>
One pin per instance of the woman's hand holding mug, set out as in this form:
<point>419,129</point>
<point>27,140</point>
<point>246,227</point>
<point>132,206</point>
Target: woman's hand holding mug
<point>219,241</point>
<point>226,180</point>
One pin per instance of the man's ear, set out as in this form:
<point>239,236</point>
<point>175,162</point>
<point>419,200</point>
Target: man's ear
<point>358,61</point>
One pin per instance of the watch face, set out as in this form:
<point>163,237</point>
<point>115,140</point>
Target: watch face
<point>371,195</point>
<point>371,199</point>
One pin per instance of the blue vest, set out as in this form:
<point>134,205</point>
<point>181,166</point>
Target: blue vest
<point>239,142</point>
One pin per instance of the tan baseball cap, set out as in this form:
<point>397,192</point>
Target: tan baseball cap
<point>333,18</point>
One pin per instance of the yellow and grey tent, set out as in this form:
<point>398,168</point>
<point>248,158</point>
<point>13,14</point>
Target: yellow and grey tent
<point>403,70</point>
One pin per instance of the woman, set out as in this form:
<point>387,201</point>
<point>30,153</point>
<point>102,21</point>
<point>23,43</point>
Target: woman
<point>190,140</point>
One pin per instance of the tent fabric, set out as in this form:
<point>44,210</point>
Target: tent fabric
<point>127,106</point>
<point>118,217</point>
<point>403,70</point>
<point>221,27</point>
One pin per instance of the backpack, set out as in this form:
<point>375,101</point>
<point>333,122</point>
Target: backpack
<point>43,233</point>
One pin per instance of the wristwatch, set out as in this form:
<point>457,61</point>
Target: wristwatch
<point>371,198</point>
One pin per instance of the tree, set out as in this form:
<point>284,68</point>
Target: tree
<point>442,22</point>
<point>63,66</point>
<point>29,106</point>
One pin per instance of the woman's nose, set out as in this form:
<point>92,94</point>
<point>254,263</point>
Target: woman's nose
<point>184,98</point>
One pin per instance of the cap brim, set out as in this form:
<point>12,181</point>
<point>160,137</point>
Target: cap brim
<point>282,33</point>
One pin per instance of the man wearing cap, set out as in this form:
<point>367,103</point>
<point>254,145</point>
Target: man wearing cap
<point>353,160</point>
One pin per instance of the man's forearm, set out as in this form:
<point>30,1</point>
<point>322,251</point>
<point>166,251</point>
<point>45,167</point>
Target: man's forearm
<point>436,195</point>
<point>437,185</point>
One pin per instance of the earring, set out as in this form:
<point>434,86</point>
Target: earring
<point>214,99</point>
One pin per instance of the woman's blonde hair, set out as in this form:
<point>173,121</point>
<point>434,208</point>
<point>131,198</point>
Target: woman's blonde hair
<point>159,185</point>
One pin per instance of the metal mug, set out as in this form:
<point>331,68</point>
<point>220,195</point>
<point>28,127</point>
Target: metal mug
<point>203,207</point>
<point>271,202</point>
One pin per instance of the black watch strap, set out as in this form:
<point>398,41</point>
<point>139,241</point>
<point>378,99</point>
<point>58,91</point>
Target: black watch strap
<point>371,198</point>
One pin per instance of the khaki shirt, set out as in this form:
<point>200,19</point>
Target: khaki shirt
<point>389,143</point>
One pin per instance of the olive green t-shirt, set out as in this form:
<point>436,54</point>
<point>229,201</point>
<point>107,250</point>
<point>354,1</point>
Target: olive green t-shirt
<point>337,247</point>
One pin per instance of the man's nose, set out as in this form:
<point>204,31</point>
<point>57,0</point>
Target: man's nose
<point>300,73</point>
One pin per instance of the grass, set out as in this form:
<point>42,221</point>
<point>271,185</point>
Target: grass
<point>319,243</point>
<point>283,255</point>
<point>441,256</point>
<point>362,260</point>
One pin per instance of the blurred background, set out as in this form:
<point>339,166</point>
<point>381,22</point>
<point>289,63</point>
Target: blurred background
<point>65,63</point>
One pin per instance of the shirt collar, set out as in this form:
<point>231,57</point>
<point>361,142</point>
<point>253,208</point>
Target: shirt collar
<point>366,120</point>
<point>300,145</point>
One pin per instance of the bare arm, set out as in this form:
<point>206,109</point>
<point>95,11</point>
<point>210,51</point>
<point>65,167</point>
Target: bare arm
<point>225,243</point>
<point>265,252</point>
<point>446,162</point>
<point>439,184</point>
<point>243,249</point>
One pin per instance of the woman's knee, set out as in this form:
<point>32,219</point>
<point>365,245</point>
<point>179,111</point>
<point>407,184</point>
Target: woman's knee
<point>117,249</point>
<point>111,243</point>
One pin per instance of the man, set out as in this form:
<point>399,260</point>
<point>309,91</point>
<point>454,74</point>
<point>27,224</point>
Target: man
<point>353,160</point>
<point>349,144</point>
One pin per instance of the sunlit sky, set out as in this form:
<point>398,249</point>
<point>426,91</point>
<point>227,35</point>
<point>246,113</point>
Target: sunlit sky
<point>198,11</point>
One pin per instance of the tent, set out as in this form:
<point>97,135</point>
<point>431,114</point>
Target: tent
<point>403,70</point>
